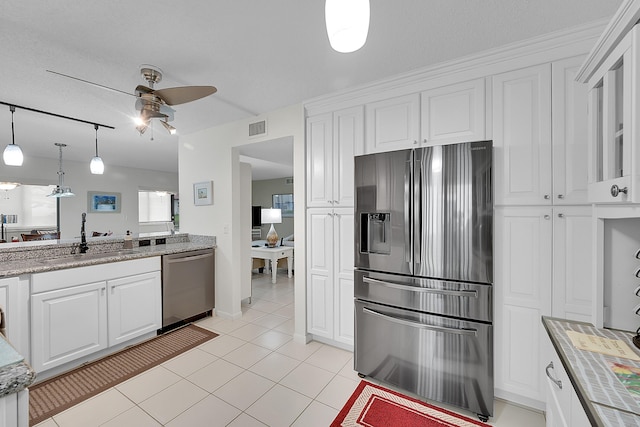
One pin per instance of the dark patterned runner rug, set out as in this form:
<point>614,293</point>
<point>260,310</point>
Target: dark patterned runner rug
<point>56,394</point>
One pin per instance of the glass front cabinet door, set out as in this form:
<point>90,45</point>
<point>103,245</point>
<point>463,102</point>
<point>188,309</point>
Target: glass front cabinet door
<point>614,124</point>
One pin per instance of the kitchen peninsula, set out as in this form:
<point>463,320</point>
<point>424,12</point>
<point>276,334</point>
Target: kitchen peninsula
<point>116,292</point>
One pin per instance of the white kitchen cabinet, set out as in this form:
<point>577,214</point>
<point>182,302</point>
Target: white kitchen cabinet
<point>569,133</point>
<point>332,139</point>
<point>522,290</point>
<point>522,136</point>
<point>330,274</point>
<point>79,311</point>
<point>67,324</point>
<point>134,306</point>
<point>543,267</point>
<point>393,124</point>
<point>563,408</point>
<point>572,263</point>
<point>14,296</point>
<point>14,409</point>
<point>614,129</point>
<point>454,113</point>
<point>539,133</point>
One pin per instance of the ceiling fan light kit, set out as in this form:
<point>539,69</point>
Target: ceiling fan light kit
<point>61,190</point>
<point>12,155</point>
<point>347,24</point>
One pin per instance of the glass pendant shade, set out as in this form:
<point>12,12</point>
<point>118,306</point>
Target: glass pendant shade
<point>347,24</point>
<point>12,155</point>
<point>96,166</point>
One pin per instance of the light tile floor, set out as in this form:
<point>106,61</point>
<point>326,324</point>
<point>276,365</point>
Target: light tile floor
<point>253,374</point>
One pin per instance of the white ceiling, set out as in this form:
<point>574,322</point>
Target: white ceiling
<point>261,55</point>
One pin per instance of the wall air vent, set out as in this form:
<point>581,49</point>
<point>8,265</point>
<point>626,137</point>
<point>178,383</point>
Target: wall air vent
<point>289,181</point>
<point>258,128</point>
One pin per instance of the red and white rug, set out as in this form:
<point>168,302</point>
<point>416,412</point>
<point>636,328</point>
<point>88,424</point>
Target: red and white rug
<point>371,405</point>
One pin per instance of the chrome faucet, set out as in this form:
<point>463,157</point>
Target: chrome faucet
<point>83,237</point>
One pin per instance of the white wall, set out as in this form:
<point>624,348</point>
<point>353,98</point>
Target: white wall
<point>210,155</point>
<point>126,181</point>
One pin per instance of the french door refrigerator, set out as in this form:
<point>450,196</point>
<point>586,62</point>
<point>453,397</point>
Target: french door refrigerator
<point>424,272</point>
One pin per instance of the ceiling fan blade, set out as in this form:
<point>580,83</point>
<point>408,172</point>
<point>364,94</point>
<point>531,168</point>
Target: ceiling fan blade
<point>91,83</point>
<point>181,95</point>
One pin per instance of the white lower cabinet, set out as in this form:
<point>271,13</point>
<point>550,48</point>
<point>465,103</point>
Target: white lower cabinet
<point>14,409</point>
<point>330,274</point>
<point>71,318</point>
<point>543,268</point>
<point>67,324</point>
<point>134,306</point>
<point>563,408</point>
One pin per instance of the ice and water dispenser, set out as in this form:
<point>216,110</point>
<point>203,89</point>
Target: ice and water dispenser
<point>375,233</point>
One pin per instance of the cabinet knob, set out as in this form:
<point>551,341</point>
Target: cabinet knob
<point>415,142</point>
<point>560,196</point>
<point>547,197</point>
<point>336,202</point>
<point>547,217</point>
<point>560,215</point>
<point>615,190</point>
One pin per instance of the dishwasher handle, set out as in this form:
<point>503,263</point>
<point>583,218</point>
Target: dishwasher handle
<point>188,258</point>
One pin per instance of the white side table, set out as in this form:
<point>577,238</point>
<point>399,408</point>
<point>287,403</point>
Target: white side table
<point>273,255</point>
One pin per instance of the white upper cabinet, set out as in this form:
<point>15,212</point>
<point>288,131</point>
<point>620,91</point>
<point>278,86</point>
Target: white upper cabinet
<point>614,132</point>
<point>332,139</point>
<point>569,135</point>
<point>393,124</point>
<point>522,136</point>
<point>454,113</point>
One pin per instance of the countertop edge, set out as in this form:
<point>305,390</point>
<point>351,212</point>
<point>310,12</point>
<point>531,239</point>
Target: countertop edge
<point>587,405</point>
<point>15,378</point>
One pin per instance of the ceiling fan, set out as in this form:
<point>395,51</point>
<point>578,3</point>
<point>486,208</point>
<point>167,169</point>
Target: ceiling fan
<point>155,103</point>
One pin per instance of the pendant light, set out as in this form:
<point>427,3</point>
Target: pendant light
<point>12,155</point>
<point>347,24</point>
<point>61,190</point>
<point>96,165</point>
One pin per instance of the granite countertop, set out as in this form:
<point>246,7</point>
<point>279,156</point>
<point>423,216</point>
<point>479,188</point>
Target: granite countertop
<point>604,398</point>
<point>15,374</point>
<point>27,259</point>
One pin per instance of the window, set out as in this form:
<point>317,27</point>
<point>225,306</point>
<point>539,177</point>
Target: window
<point>154,206</point>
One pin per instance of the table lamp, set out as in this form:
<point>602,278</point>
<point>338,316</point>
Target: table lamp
<point>273,216</point>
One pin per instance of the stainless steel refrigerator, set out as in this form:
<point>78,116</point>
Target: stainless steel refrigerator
<point>424,272</point>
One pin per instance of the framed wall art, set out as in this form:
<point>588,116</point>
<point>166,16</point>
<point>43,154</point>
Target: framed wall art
<point>103,202</point>
<point>203,193</point>
<point>285,203</point>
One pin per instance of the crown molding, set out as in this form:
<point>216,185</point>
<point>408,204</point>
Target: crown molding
<point>623,20</point>
<point>567,42</point>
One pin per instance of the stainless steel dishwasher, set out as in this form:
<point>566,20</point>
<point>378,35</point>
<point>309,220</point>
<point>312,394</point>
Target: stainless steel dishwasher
<point>188,287</point>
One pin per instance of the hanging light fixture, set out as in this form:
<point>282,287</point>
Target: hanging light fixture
<point>12,155</point>
<point>347,24</point>
<point>96,165</point>
<point>61,190</point>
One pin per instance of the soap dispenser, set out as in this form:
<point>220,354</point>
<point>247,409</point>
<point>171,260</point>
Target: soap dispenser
<point>128,241</point>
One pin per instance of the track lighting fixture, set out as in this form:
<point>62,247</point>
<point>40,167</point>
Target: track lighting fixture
<point>12,155</point>
<point>96,165</point>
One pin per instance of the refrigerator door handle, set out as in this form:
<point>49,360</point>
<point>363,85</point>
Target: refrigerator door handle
<point>469,293</point>
<point>408,232</point>
<point>417,206</point>
<point>445,329</point>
